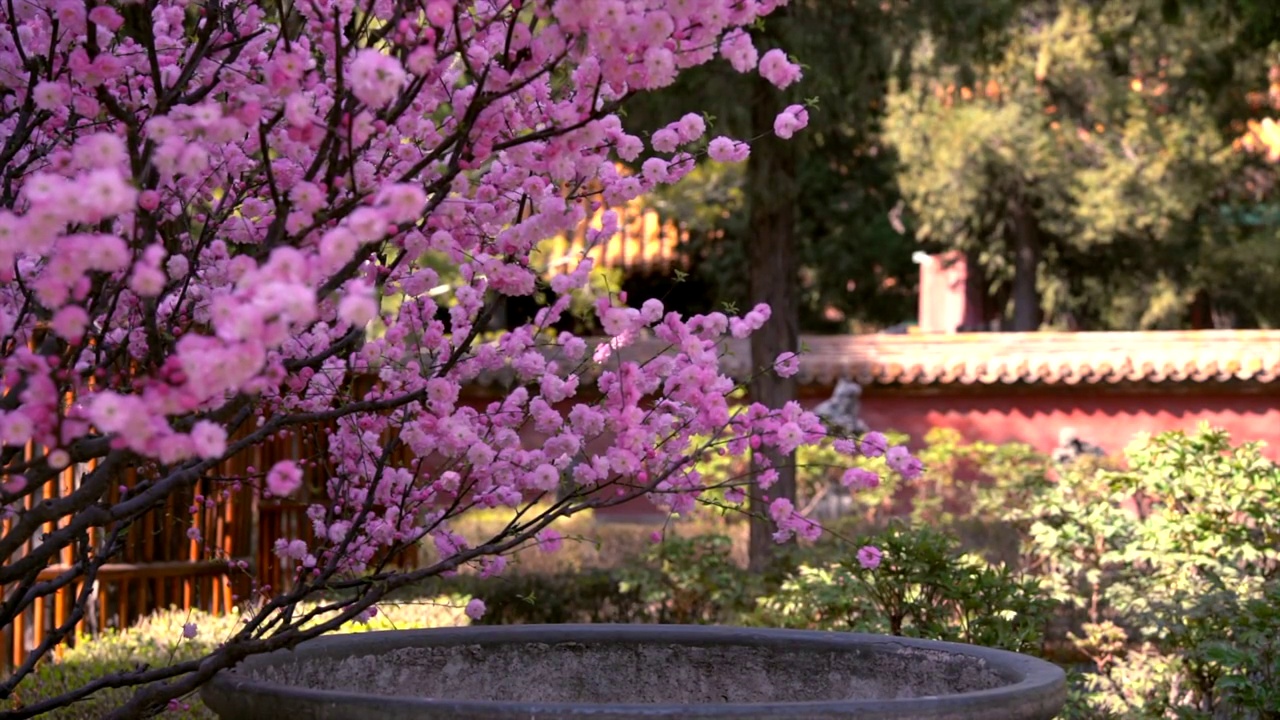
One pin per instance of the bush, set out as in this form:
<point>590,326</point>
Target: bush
<point>692,580</point>
<point>1172,567</point>
<point>679,580</point>
<point>965,487</point>
<point>925,587</point>
<point>1220,659</point>
<point>589,543</point>
<point>1168,569</point>
<point>590,596</point>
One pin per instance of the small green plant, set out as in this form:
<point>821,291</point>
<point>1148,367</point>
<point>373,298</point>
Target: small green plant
<point>1075,529</point>
<point>586,596</point>
<point>691,580</point>
<point>924,587</point>
<point>1248,660</point>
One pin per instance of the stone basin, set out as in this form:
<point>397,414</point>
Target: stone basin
<point>626,672</point>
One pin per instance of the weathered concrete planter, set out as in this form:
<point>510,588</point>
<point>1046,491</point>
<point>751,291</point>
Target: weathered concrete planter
<point>620,672</point>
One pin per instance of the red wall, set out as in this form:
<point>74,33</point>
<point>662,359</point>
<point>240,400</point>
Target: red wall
<point>1109,420</point>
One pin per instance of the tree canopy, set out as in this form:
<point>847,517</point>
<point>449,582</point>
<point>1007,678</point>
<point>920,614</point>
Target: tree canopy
<point>1104,137</point>
<point>1096,145</point>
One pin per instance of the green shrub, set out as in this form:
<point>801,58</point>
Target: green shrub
<point>925,587</point>
<point>590,596</point>
<point>679,580</point>
<point>1219,660</point>
<point>1172,565</point>
<point>691,580</point>
<point>1247,659</point>
<point>590,542</point>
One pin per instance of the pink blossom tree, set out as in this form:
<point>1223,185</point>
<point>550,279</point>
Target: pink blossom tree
<point>203,207</point>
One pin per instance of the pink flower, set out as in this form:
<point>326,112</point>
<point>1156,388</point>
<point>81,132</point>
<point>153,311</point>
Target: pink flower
<point>475,609</point>
<point>147,281</point>
<point>16,428</point>
<point>337,247</point>
<point>728,150</point>
<point>860,479</point>
<point>209,439</point>
<point>787,364</point>
<point>49,95</point>
<point>690,127</point>
<point>189,631</point>
<point>736,47</point>
<point>628,147</point>
<point>14,485</point>
<point>545,477</point>
<point>440,12</point>
<point>492,566</point>
<point>107,17</point>
<point>177,267</point>
<point>781,509</point>
<point>790,437</point>
<point>403,202</point>
<point>903,462</point>
<point>869,557</point>
<point>107,193</point>
<point>792,523</point>
<point>665,140</point>
<point>651,311</point>
<point>101,150</point>
<point>376,79</point>
<point>358,308</point>
<point>284,478</point>
<point>69,323</point>
<point>654,170</point>
<point>549,540</point>
<point>794,118</point>
<point>660,67</point>
<point>873,444</point>
<point>58,459</point>
<point>778,70</point>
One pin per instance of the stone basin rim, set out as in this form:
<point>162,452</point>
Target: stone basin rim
<point>1028,677</point>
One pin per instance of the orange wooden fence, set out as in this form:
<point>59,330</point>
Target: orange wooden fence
<point>161,566</point>
<point>643,240</point>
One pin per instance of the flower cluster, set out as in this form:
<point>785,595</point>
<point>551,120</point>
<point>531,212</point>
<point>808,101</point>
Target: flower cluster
<point>215,224</point>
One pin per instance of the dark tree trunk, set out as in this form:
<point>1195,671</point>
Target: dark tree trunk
<point>771,188</point>
<point>977,306</point>
<point>1201,311</point>
<point>1026,264</point>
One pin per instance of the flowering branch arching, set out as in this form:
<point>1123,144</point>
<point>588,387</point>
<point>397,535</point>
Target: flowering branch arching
<point>205,207</point>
